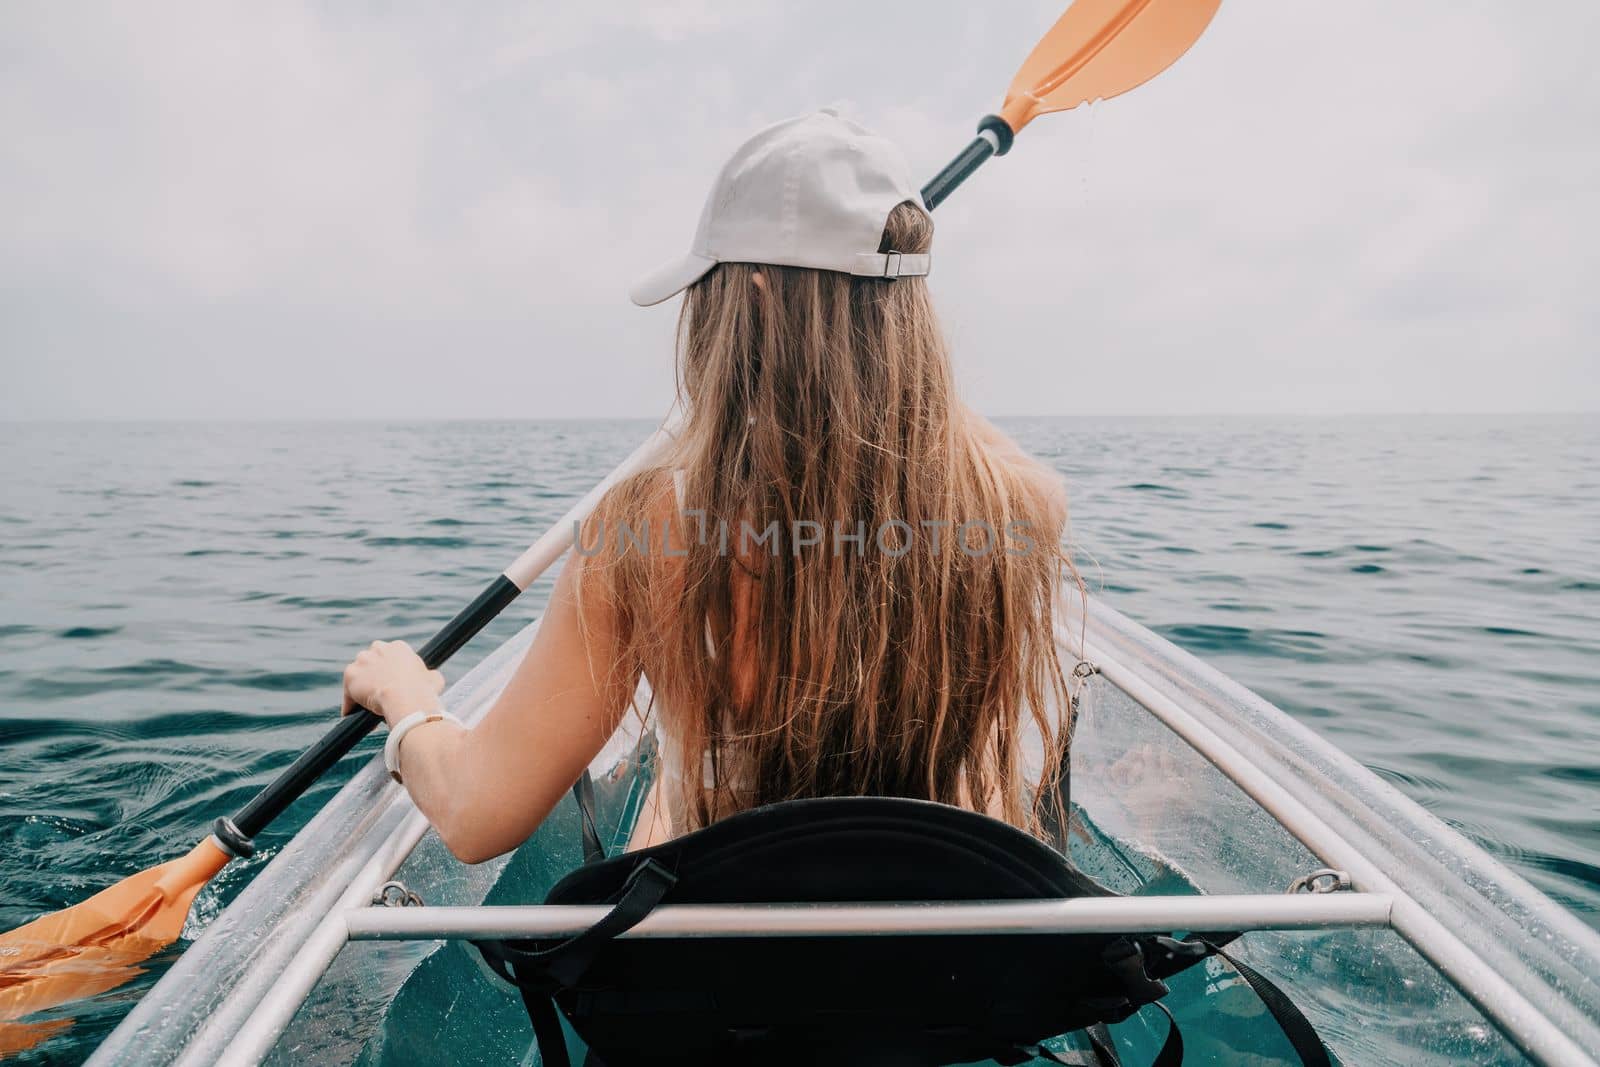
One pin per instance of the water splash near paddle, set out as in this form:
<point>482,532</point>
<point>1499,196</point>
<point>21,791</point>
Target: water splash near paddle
<point>96,945</point>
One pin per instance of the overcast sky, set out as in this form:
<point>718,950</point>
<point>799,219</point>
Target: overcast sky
<point>327,209</point>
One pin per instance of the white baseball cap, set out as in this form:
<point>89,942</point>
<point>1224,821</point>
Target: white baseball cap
<point>813,191</point>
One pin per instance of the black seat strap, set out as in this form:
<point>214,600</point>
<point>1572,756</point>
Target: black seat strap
<point>1171,1054</point>
<point>1167,956</point>
<point>583,792</point>
<point>547,1032</point>
<point>538,974</point>
<point>643,890</point>
<point>1296,1027</point>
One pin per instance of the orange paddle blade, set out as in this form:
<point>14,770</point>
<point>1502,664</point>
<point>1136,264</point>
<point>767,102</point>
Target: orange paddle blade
<point>1100,49</point>
<point>94,946</point>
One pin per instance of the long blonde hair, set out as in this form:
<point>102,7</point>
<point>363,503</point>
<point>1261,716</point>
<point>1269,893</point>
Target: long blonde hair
<point>908,663</point>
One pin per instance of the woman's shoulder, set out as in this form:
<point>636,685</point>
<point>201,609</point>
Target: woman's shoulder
<point>641,519</point>
<point>649,495</point>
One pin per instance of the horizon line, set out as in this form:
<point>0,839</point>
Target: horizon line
<point>381,420</point>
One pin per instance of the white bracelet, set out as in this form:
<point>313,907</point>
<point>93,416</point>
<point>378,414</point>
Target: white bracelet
<point>391,747</point>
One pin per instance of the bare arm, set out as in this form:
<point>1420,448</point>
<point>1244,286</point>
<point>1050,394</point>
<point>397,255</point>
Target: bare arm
<point>485,790</point>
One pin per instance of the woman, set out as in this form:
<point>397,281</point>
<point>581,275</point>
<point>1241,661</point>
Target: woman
<point>842,582</point>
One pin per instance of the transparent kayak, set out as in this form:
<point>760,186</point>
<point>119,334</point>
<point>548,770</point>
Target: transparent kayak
<point>1193,795</point>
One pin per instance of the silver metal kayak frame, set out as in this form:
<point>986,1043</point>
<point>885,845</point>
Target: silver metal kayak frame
<point>1527,964</point>
<point>1309,911</point>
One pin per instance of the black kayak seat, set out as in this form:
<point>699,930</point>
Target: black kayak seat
<point>905,999</point>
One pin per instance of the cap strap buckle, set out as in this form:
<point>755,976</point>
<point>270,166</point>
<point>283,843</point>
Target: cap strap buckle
<point>892,265</point>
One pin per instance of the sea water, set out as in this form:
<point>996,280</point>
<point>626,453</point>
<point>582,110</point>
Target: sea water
<point>176,601</point>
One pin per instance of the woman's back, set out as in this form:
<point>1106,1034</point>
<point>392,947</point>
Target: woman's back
<point>847,583</point>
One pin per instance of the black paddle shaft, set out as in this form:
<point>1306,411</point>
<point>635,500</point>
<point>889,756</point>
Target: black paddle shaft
<point>315,761</point>
<point>998,143</point>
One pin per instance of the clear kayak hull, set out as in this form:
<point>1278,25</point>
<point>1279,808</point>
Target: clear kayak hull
<point>1183,783</point>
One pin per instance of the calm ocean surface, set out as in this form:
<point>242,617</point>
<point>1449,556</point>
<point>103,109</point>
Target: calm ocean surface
<point>176,601</point>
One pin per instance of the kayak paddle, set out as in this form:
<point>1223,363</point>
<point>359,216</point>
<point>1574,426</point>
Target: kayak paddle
<point>1097,50</point>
